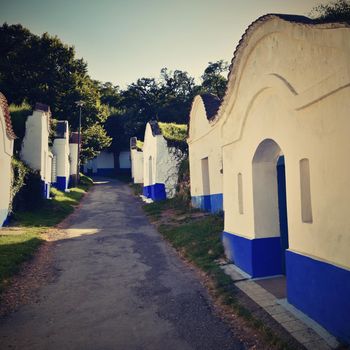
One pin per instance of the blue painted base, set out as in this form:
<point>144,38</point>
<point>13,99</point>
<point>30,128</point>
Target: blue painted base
<point>259,257</point>
<point>320,290</point>
<point>155,192</point>
<point>45,189</point>
<point>61,183</point>
<point>212,202</point>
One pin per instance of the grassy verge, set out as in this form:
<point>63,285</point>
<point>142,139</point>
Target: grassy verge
<point>198,238</point>
<point>20,243</point>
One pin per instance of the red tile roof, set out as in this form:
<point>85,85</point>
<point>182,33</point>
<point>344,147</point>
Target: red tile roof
<point>5,109</point>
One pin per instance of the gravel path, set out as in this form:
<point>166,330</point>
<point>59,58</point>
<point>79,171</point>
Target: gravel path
<point>118,286</point>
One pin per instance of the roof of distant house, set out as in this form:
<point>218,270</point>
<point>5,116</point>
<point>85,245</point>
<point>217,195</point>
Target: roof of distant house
<point>61,129</point>
<point>42,107</point>
<point>211,104</point>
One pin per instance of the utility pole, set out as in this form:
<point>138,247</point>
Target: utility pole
<point>79,103</point>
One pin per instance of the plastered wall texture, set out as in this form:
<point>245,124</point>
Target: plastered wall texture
<point>205,143</point>
<point>102,165</point>
<point>160,163</point>
<point>35,147</point>
<point>136,162</point>
<point>61,151</point>
<point>288,94</point>
<point>6,150</point>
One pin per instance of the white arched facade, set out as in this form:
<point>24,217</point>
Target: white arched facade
<point>35,150</point>
<point>136,156</point>
<point>205,155</point>
<point>284,127</point>
<point>61,153</point>
<point>6,150</point>
<point>160,165</point>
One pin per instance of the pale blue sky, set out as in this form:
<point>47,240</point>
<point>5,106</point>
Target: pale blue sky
<point>123,40</point>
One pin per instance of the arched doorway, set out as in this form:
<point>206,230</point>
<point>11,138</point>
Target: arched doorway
<point>269,191</point>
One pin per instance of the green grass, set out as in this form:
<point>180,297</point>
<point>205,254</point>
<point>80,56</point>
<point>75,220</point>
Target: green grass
<point>54,210</point>
<point>18,245</point>
<point>199,241</point>
<point>15,248</point>
<point>139,145</point>
<point>174,132</point>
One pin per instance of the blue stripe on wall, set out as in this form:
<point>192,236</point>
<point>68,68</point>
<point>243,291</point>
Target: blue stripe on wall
<point>45,188</point>
<point>212,203</point>
<point>155,192</point>
<point>258,257</point>
<point>320,290</point>
<point>61,183</point>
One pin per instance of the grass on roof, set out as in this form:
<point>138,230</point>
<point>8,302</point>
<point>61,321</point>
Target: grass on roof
<point>139,145</point>
<point>19,115</point>
<point>172,131</point>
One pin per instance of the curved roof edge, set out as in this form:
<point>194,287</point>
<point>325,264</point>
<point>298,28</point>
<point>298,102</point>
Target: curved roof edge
<point>211,104</point>
<point>155,127</point>
<point>233,69</point>
<point>5,108</point>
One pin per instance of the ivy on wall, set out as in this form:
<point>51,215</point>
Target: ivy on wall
<point>19,172</point>
<point>26,187</point>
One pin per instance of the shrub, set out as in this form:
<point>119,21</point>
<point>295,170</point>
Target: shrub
<point>29,189</point>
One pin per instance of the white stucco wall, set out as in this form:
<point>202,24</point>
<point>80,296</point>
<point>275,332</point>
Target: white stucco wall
<point>160,164</point>
<point>105,160</point>
<point>6,150</point>
<point>73,156</point>
<point>204,142</point>
<point>137,166</point>
<point>61,150</point>
<point>290,83</point>
<point>35,147</point>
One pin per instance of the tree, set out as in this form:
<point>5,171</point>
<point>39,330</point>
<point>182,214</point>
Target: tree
<point>43,69</point>
<point>213,80</point>
<point>336,11</point>
<point>94,140</point>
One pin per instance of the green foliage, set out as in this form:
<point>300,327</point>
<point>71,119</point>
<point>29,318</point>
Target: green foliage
<point>183,189</point>
<point>19,172</point>
<point>43,69</point>
<point>94,140</point>
<point>29,195</point>
<point>139,145</point>
<point>335,11</point>
<point>175,136</point>
<point>172,131</point>
<point>19,115</point>
<point>213,80</point>
<point>85,182</point>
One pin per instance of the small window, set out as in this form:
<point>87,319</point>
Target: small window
<point>240,193</point>
<point>205,176</point>
<point>305,191</point>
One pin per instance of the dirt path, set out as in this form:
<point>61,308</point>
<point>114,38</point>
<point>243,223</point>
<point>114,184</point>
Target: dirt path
<point>117,286</point>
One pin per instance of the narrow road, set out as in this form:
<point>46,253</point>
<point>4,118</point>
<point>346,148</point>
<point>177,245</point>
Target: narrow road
<point>119,286</point>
